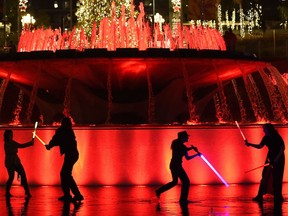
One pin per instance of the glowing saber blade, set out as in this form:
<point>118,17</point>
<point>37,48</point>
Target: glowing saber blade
<point>214,170</point>
<point>267,164</point>
<point>35,128</point>
<point>39,139</point>
<point>240,131</point>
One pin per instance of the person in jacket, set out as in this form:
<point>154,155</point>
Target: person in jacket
<point>64,137</point>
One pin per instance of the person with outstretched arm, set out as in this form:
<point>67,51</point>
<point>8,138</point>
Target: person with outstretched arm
<point>13,163</point>
<point>276,160</point>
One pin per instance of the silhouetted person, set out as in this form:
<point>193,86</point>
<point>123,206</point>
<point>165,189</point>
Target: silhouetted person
<point>230,40</point>
<point>13,163</point>
<point>178,151</point>
<point>64,137</point>
<point>276,159</point>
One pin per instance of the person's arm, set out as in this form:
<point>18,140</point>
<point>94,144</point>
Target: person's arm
<point>24,145</point>
<point>189,157</point>
<point>258,146</point>
<point>190,148</point>
<point>53,142</point>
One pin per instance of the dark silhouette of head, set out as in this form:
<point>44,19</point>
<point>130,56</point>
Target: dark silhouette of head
<point>269,129</point>
<point>183,134</point>
<point>66,123</point>
<point>8,134</point>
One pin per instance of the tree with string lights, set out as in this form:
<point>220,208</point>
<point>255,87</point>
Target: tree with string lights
<point>93,11</point>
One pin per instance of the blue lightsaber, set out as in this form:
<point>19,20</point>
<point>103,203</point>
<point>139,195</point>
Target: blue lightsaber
<point>210,165</point>
<point>214,170</point>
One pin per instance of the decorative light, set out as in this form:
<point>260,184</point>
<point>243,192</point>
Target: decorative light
<point>23,5</point>
<point>176,15</point>
<point>258,15</point>
<point>242,26</point>
<point>227,19</point>
<point>56,4</point>
<point>176,5</point>
<point>254,17</point>
<point>159,19</point>
<point>219,16</point>
<point>250,20</point>
<point>27,21</point>
<point>233,19</point>
<point>92,11</point>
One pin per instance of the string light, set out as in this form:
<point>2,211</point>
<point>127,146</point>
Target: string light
<point>93,11</point>
<point>258,15</point>
<point>219,16</point>
<point>250,17</point>
<point>233,19</point>
<point>242,25</point>
<point>176,16</point>
<point>227,19</point>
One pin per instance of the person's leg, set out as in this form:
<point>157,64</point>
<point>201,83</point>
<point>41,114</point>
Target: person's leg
<point>67,180</point>
<point>73,186</point>
<point>169,185</point>
<point>24,182</point>
<point>185,185</point>
<point>263,184</point>
<point>9,181</point>
<point>65,174</point>
<point>277,182</point>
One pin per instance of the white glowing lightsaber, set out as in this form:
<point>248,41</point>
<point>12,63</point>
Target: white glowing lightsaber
<point>35,128</point>
<point>267,164</point>
<point>39,138</point>
<point>214,170</point>
<point>210,165</point>
<point>240,131</point>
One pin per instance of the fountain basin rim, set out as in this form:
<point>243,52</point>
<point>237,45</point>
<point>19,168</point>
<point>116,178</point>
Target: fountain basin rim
<point>141,127</point>
<point>128,53</point>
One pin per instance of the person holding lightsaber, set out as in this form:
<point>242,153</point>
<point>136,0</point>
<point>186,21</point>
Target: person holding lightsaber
<point>65,138</point>
<point>276,159</point>
<point>178,151</point>
<point>13,163</point>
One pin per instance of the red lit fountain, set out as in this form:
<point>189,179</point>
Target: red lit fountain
<point>122,74</point>
<point>124,83</point>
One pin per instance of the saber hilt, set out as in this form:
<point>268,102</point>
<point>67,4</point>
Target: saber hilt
<point>195,149</point>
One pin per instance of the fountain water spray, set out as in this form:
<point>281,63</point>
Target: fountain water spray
<point>114,33</point>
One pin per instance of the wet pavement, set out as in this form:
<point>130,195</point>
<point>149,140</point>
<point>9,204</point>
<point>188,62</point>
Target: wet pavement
<point>141,200</point>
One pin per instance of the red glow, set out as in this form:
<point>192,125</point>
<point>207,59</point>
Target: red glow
<point>141,155</point>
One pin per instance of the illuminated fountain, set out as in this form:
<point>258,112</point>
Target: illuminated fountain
<point>116,33</point>
<point>122,74</point>
<point>129,94</point>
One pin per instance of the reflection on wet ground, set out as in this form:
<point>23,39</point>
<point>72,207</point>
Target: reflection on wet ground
<point>141,200</point>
